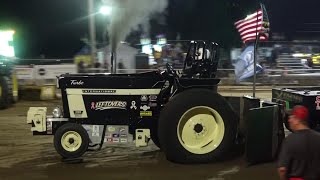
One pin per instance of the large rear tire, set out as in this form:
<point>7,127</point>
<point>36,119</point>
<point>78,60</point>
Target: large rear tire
<point>71,140</point>
<point>6,92</point>
<point>197,126</point>
<point>15,87</point>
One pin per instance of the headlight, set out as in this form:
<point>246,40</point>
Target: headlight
<point>57,112</point>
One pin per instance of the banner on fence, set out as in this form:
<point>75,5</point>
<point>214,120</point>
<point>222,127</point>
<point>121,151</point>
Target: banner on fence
<point>44,71</point>
<point>52,71</point>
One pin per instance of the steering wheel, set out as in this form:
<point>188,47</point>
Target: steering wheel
<point>171,70</point>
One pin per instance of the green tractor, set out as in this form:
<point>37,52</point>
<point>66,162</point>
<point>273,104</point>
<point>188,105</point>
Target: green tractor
<point>8,83</point>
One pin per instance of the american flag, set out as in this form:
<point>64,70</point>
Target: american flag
<point>253,24</point>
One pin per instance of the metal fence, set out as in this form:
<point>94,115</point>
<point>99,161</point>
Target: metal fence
<point>289,68</point>
<point>46,75</point>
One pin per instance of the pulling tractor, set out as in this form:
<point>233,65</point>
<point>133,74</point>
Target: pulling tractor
<point>8,83</point>
<point>180,111</point>
<point>292,96</point>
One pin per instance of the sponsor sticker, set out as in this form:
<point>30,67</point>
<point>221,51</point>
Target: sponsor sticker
<point>103,105</point>
<point>49,127</point>
<point>115,135</point>
<point>121,130</point>
<point>153,98</point>
<point>317,103</point>
<point>95,130</point>
<point>123,135</point>
<point>151,104</point>
<point>116,140</point>
<point>144,107</point>
<point>133,105</point>
<point>109,136</point>
<point>145,113</point>
<point>123,140</point>
<point>109,139</point>
<point>111,129</point>
<point>144,98</point>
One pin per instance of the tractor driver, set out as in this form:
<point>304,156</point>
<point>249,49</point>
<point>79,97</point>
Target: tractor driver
<point>300,153</point>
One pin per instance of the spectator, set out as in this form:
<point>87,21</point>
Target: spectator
<point>81,68</point>
<point>121,68</point>
<point>274,57</point>
<point>300,154</point>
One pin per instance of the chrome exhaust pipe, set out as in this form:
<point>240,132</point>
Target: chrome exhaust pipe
<point>113,63</point>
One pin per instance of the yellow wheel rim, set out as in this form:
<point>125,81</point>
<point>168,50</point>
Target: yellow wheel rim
<point>71,141</point>
<point>200,130</point>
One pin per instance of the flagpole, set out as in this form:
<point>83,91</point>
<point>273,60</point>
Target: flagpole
<point>255,56</point>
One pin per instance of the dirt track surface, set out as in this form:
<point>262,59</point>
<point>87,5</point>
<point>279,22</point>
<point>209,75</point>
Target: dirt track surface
<point>23,156</point>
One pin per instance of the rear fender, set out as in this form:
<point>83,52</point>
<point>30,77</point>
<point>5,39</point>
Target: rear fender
<point>189,83</point>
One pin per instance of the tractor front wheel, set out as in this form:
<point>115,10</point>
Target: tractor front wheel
<point>71,140</point>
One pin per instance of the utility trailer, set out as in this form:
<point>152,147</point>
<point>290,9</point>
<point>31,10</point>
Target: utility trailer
<point>181,112</point>
<point>292,96</point>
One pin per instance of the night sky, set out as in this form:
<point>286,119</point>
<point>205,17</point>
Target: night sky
<point>54,27</point>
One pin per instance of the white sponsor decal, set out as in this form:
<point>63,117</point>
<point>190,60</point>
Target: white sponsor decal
<point>95,130</point>
<point>124,140</point>
<point>115,135</point>
<point>144,108</point>
<point>153,98</point>
<point>144,98</point>
<point>99,91</point>
<point>130,92</point>
<point>153,104</point>
<point>111,129</point>
<point>49,127</point>
<point>76,82</point>
<point>318,103</point>
<point>133,105</point>
<point>122,130</point>
<point>103,105</point>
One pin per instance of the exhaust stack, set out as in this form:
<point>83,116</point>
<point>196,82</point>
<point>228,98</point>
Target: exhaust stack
<point>113,62</point>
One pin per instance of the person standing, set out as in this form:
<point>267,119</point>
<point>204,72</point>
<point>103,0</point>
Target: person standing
<point>299,157</point>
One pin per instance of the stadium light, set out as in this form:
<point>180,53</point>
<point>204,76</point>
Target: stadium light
<point>106,10</point>
<point>6,43</point>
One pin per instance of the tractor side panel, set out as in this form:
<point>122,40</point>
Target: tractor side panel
<point>112,106</point>
<point>122,100</point>
<point>76,106</point>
